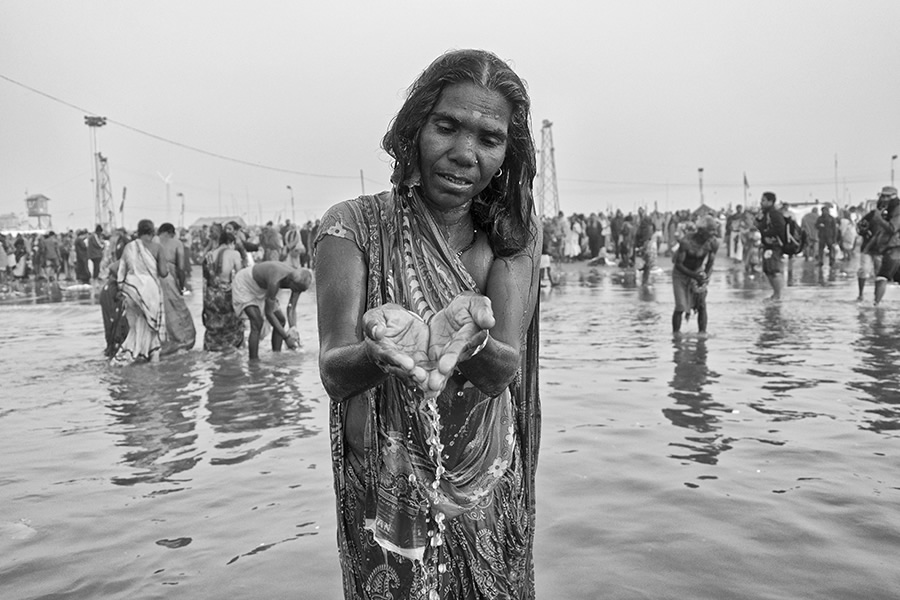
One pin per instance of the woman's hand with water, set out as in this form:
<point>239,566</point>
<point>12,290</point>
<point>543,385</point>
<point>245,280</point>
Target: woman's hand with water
<point>456,332</point>
<point>397,341</point>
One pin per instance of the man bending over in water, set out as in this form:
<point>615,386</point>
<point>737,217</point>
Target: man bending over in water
<point>254,292</point>
<point>693,263</point>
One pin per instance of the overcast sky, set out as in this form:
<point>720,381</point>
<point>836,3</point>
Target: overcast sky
<point>802,96</point>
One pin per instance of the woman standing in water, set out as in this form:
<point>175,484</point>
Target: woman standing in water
<point>179,322</point>
<point>224,328</point>
<point>140,270</point>
<point>427,299</point>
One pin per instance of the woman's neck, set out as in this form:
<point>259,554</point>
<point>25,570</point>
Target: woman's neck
<point>456,218</point>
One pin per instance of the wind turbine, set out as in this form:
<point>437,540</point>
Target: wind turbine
<point>167,180</point>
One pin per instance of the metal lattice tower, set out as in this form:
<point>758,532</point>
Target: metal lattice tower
<point>548,195</point>
<point>106,215</point>
<point>103,204</point>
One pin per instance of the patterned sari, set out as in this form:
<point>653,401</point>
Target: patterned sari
<point>388,510</point>
<point>224,329</point>
<point>138,280</point>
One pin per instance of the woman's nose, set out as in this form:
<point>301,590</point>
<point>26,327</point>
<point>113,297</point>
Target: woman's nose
<point>464,150</point>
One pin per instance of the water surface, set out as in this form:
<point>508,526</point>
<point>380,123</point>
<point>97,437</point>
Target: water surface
<point>760,462</point>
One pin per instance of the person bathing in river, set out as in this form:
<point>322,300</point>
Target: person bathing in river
<point>694,261</point>
<point>427,299</point>
<point>179,323</point>
<point>141,268</point>
<point>254,292</point>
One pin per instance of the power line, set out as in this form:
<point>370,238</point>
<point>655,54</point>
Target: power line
<point>173,142</point>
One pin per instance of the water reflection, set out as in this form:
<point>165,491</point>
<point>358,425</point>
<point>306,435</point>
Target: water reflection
<point>245,400</point>
<point>879,355</point>
<point>694,407</point>
<point>161,412</point>
<point>780,353</point>
<point>153,407</point>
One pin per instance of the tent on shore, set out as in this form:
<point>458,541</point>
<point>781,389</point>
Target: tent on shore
<point>207,221</point>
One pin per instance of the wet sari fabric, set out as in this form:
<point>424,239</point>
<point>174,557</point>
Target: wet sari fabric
<point>386,501</point>
<point>224,328</point>
<point>143,303</point>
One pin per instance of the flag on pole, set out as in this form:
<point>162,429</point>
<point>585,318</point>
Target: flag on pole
<point>122,205</point>
<point>746,183</point>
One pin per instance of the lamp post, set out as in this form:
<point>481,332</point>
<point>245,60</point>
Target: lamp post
<point>293,214</point>
<point>893,158</point>
<point>700,172</point>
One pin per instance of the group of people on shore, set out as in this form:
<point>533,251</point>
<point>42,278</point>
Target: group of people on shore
<point>72,255</point>
<point>144,312</point>
<point>81,256</point>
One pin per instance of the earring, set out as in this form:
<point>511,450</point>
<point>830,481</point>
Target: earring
<point>499,173</point>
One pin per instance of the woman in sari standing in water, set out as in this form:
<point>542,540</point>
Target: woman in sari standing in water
<point>224,328</point>
<point>427,303</point>
<point>179,322</point>
<point>140,269</point>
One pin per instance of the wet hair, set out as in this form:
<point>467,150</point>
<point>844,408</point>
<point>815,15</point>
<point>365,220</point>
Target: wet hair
<point>166,228</point>
<point>98,229</point>
<point>226,237</point>
<point>770,196</point>
<point>145,227</point>
<point>505,206</point>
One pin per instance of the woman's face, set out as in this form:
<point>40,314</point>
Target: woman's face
<point>462,144</point>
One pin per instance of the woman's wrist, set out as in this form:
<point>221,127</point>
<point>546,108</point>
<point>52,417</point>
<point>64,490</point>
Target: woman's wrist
<point>481,345</point>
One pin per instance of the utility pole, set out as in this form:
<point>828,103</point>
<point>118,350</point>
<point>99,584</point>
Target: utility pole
<point>181,217</point>
<point>893,158</point>
<point>122,207</point>
<point>835,181</point>
<point>293,212</point>
<point>548,194</point>
<point>700,171</point>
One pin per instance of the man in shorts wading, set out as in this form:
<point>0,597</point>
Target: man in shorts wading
<point>890,257</point>
<point>771,225</point>
<point>874,232</point>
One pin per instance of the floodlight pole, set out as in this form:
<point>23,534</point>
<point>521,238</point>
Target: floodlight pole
<point>293,212</point>
<point>94,123</point>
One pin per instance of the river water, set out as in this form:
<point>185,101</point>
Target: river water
<point>760,462</point>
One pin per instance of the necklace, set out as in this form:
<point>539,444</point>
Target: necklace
<point>468,246</point>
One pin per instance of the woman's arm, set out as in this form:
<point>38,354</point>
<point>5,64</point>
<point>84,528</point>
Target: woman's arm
<point>512,287</point>
<point>341,274</point>
<point>162,269</point>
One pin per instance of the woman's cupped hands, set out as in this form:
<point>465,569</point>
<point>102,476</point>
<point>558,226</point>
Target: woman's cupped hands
<point>424,355</point>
